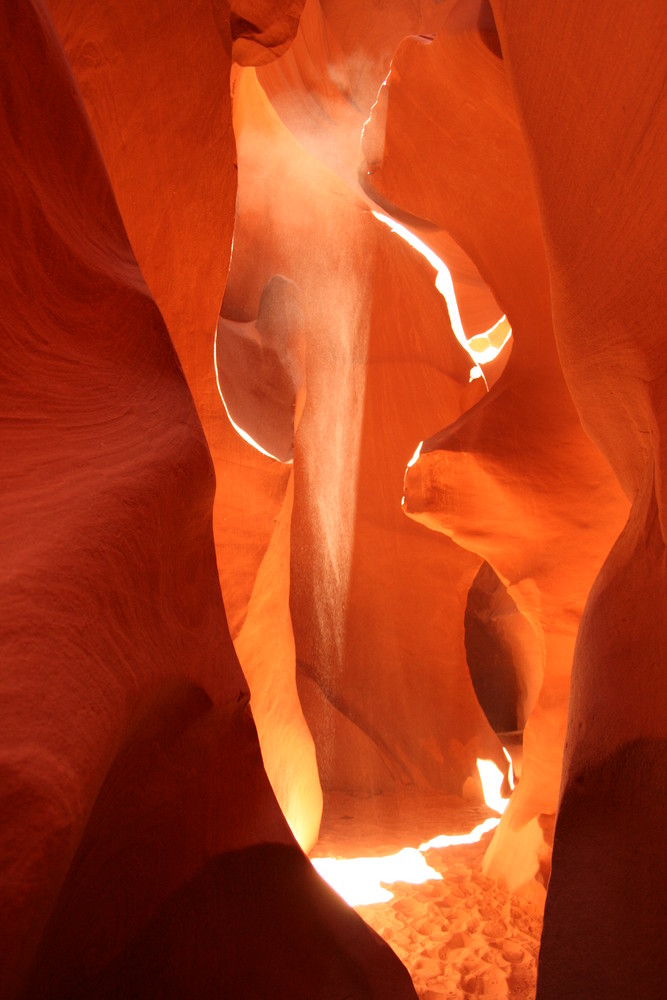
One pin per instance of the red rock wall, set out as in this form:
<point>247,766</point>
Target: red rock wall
<point>595,128</point>
<point>141,842</point>
<point>142,850</point>
<point>155,80</point>
<point>515,479</point>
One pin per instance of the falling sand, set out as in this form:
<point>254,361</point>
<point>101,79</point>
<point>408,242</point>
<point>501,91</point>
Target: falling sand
<point>460,936</point>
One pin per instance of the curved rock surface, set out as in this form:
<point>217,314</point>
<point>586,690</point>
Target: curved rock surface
<point>255,500</point>
<point>261,29</point>
<point>155,80</point>
<point>137,818</point>
<point>387,706</point>
<point>511,162</point>
<point>515,480</point>
<point>260,368</point>
<point>599,134</point>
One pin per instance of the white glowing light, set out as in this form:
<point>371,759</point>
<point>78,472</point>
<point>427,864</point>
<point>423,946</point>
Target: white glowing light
<point>358,880</point>
<point>239,430</point>
<point>385,83</point>
<point>481,348</point>
<point>510,773</point>
<point>489,344</point>
<point>492,779</point>
<point>361,881</point>
<point>454,840</point>
<point>416,455</point>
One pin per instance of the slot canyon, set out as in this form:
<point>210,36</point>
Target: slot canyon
<point>333,368</point>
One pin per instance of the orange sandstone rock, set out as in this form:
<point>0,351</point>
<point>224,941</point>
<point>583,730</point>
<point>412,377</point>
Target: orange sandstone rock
<point>128,753</point>
<point>261,29</point>
<point>157,92</point>
<point>527,157</point>
<point>261,377</point>
<point>377,604</point>
<point>515,479</point>
<point>595,128</point>
<point>142,851</point>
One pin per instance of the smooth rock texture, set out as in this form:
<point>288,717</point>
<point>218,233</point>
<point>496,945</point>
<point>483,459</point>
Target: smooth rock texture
<point>255,256</point>
<point>389,706</point>
<point>132,785</point>
<point>605,145</point>
<point>156,103</point>
<point>122,695</point>
<point>515,480</point>
<point>257,493</point>
<point>502,650</point>
<point>261,29</point>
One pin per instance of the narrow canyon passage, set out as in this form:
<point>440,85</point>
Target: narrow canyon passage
<point>332,475</point>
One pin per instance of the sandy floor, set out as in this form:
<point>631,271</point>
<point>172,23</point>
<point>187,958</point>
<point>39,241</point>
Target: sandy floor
<point>464,936</point>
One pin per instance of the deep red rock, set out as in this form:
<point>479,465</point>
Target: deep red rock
<point>132,780</point>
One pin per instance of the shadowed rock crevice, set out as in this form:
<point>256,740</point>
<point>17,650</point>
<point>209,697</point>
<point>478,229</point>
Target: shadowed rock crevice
<point>503,654</point>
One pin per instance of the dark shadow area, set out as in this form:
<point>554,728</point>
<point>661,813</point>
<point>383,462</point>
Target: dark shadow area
<point>251,924</point>
<point>501,652</point>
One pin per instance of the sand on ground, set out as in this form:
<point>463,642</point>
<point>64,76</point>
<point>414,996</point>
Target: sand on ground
<point>462,937</point>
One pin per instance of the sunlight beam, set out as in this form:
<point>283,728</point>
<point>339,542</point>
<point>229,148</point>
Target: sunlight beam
<point>481,348</point>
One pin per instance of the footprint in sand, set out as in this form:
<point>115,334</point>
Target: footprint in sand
<point>513,952</point>
<point>485,982</point>
<point>428,968</point>
<point>495,929</point>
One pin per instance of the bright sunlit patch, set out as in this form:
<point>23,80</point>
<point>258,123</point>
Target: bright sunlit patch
<point>416,455</point>
<point>239,430</point>
<point>454,840</point>
<point>492,779</point>
<point>361,881</point>
<point>483,347</point>
<point>358,880</point>
<point>489,344</point>
<point>510,773</point>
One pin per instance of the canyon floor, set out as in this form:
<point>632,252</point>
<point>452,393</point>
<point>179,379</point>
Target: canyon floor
<point>460,937</point>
